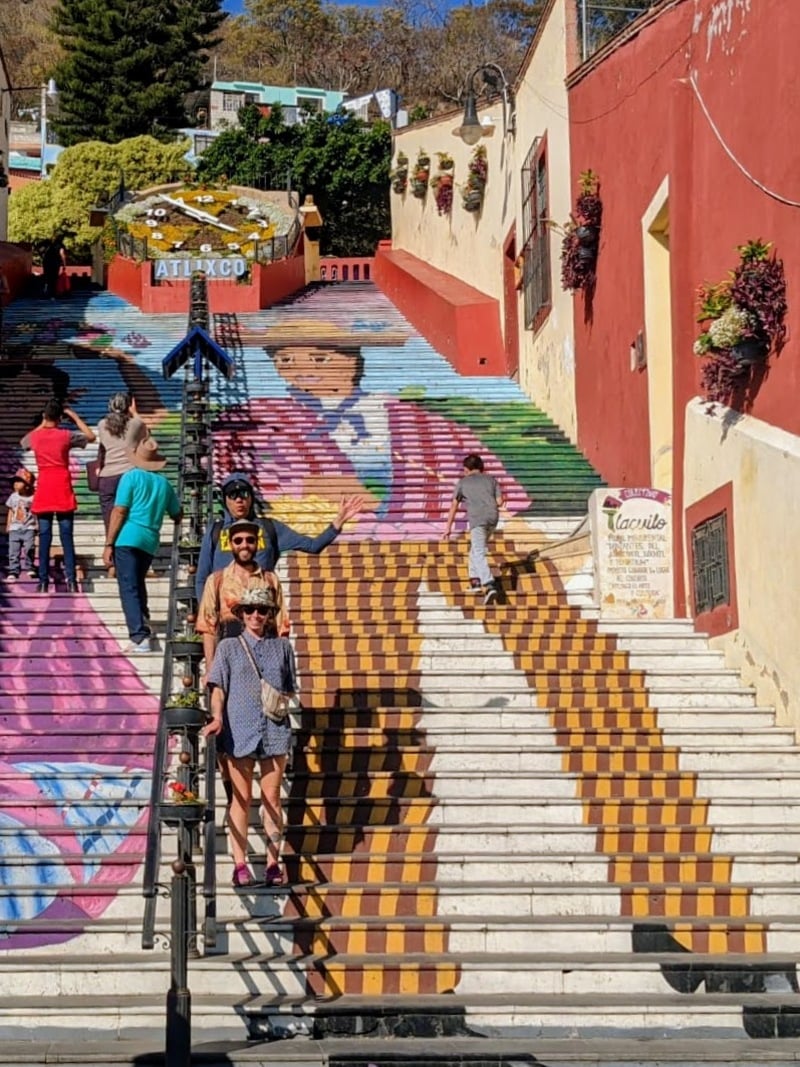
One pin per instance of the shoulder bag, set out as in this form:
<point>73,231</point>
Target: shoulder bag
<point>275,705</point>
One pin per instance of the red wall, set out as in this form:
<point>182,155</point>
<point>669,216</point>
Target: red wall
<point>270,282</point>
<point>458,320</point>
<point>635,119</point>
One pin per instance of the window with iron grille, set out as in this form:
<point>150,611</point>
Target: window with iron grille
<point>711,575</point>
<point>535,235</point>
<point>232,101</point>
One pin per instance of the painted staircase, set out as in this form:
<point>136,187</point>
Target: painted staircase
<point>512,831</point>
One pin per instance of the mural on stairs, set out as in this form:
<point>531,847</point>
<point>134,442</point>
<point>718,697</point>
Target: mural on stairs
<point>335,394</point>
<point>357,400</point>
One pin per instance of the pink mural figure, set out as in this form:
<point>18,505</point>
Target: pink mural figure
<point>69,801</point>
<point>330,438</point>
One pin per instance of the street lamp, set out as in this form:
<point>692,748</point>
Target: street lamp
<point>472,129</point>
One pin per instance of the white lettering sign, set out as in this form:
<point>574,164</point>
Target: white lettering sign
<point>218,267</point>
<point>632,547</point>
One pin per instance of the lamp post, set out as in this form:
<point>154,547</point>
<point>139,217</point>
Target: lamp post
<point>471,129</point>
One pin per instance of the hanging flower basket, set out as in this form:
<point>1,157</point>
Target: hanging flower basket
<point>399,176</point>
<point>442,185</point>
<point>474,189</point>
<point>743,321</point>
<point>421,175</point>
<point>581,240</point>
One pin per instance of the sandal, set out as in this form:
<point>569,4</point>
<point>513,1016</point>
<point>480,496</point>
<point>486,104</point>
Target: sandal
<point>242,876</point>
<point>274,875</point>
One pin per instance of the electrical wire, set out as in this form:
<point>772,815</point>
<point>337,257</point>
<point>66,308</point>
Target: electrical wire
<point>729,152</point>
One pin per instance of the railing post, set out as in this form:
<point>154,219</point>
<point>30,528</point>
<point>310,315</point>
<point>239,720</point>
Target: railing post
<point>179,997</point>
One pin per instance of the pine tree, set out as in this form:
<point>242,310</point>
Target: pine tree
<point>128,64</point>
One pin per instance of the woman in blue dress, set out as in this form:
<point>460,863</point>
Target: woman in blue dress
<point>247,735</point>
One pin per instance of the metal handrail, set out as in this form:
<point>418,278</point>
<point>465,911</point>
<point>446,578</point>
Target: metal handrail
<point>152,859</point>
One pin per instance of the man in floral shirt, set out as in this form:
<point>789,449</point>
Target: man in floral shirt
<point>224,589</point>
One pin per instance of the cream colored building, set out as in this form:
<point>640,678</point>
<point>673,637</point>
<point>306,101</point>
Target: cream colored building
<point>528,189</point>
<point>5,124</point>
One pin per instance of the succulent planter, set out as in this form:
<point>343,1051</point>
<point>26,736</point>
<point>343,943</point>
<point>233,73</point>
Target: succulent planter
<point>195,449</point>
<point>179,716</point>
<point>751,351</point>
<point>185,648</point>
<point>175,814</point>
<point>186,592</point>
<point>588,236</point>
<point>195,476</point>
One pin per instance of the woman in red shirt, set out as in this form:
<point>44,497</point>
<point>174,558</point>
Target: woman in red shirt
<point>54,497</point>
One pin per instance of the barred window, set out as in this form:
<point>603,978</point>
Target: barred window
<point>232,101</point>
<point>536,288</point>
<point>711,577</point>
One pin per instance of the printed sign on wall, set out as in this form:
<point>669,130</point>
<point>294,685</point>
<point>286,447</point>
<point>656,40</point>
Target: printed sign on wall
<point>632,545</point>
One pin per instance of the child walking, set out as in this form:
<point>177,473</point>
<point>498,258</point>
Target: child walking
<point>483,497</point>
<point>20,525</point>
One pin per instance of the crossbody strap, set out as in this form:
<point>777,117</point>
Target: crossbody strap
<point>251,657</point>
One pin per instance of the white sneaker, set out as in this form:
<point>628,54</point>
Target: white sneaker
<point>143,648</point>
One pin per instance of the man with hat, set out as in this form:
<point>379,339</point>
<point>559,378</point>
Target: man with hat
<point>216,615</point>
<point>143,498</point>
<point>274,538</point>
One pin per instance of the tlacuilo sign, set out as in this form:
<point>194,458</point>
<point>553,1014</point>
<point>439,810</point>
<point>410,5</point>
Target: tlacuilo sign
<point>632,546</point>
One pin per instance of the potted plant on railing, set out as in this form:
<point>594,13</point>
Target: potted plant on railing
<point>183,709</point>
<point>742,320</point>
<point>581,239</point>
<point>422,172</point>
<point>399,176</point>
<point>474,189</point>
<point>187,646</point>
<point>181,805</point>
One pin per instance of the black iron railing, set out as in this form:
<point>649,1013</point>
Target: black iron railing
<point>178,766</point>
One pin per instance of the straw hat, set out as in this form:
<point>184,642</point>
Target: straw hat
<point>146,456</point>
<point>311,333</point>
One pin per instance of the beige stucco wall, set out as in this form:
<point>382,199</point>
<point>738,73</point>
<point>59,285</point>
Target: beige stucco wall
<point>470,246</point>
<point>5,120</point>
<point>763,465</point>
<point>547,357</point>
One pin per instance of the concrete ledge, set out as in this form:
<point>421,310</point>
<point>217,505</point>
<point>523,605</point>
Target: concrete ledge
<point>458,320</point>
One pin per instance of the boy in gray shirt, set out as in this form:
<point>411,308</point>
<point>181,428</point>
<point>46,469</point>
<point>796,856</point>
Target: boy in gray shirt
<point>483,497</point>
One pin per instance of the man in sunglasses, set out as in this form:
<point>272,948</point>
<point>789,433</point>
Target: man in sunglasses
<point>224,588</point>
<point>274,538</point>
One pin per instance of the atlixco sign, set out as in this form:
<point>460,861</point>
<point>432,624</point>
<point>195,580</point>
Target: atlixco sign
<point>182,267</point>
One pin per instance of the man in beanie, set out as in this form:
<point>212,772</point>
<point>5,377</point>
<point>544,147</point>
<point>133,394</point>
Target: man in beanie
<point>143,498</point>
<point>274,538</point>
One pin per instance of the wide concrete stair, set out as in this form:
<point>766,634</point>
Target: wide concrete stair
<point>512,832</point>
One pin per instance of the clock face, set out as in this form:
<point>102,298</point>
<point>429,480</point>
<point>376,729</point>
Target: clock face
<point>207,221</point>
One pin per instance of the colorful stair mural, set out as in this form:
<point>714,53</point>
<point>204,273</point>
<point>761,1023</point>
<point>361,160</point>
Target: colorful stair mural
<point>514,820</point>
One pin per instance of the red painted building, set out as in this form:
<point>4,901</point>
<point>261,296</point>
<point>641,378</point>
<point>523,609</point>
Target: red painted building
<point>690,119</point>
<point>700,94</point>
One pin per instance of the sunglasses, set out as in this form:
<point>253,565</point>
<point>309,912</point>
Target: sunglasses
<point>250,609</point>
<point>244,540</point>
<point>237,494</point>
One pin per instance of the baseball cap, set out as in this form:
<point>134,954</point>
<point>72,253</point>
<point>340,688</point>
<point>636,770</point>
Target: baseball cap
<point>243,526</point>
<point>236,480</point>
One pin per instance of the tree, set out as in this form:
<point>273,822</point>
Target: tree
<point>338,159</point>
<point>128,64</point>
<point>30,48</point>
<point>85,175</point>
